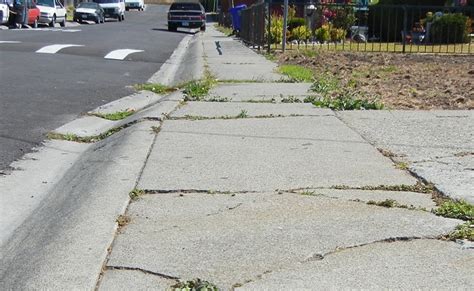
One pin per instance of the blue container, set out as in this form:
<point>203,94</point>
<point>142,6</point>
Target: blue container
<point>235,13</point>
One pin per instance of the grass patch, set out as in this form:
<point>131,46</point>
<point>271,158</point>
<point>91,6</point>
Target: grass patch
<point>386,203</point>
<point>297,73</point>
<point>194,285</point>
<point>225,30</point>
<point>463,231</point>
<point>155,88</point>
<point>116,115</point>
<point>456,209</point>
<point>325,84</point>
<point>307,193</point>
<point>198,89</point>
<point>290,99</point>
<point>135,194</point>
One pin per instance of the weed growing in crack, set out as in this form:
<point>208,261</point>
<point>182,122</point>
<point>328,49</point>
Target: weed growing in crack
<point>242,114</point>
<point>135,194</point>
<point>155,88</point>
<point>418,188</point>
<point>463,231</point>
<point>290,99</point>
<point>194,285</point>
<point>156,129</point>
<point>456,209</point>
<point>85,139</point>
<point>218,99</point>
<point>402,166</point>
<point>386,203</point>
<point>123,220</point>
<point>116,115</point>
<point>197,90</point>
<point>307,193</point>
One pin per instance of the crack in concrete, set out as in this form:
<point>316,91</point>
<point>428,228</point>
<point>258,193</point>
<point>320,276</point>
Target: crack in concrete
<point>196,191</point>
<point>122,268</point>
<point>321,256</point>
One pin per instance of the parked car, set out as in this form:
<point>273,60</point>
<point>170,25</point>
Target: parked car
<point>186,14</point>
<point>135,4</point>
<point>4,11</point>
<point>17,11</point>
<point>113,8</point>
<point>51,12</point>
<point>89,11</point>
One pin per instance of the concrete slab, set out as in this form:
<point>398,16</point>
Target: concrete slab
<point>231,60</point>
<point>133,280</point>
<point>404,198</point>
<point>265,154</point>
<point>135,102</point>
<point>260,92</point>
<point>228,239</point>
<point>86,126</point>
<point>34,176</point>
<point>63,244</point>
<point>418,264</point>
<point>438,144</point>
<point>226,109</point>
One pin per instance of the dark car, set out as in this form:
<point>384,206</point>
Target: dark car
<point>187,15</point>
<point>89,11</point>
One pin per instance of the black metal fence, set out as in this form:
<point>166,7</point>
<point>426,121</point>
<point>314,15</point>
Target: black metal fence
<point>373,28</point>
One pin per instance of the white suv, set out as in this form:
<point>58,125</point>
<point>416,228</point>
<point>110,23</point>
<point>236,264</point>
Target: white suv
<point>51,12</point>
<point>113,8</point>
<point>4,11</point>
<point>134,4</point>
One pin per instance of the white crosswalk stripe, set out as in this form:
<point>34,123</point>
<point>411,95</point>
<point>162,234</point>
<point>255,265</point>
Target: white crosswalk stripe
<point>121,54</point>
<point>52,49</point>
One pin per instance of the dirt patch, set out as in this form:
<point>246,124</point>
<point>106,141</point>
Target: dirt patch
<point>400,81</point>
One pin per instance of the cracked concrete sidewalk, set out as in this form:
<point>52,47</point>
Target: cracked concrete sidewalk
<point>242,194</point>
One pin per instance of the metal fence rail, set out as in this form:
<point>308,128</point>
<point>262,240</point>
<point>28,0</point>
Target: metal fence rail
<point>253,25</point>
<point>373,28</point>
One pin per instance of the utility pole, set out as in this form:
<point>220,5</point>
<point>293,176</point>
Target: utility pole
<point>285,24</point>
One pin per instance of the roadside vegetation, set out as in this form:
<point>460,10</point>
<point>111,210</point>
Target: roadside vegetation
<point>225,30</point>
<point>460,210</point>
<point>194,285</point>
<point>155,88</point>
<point>297,73</point>
<point>119,115</point>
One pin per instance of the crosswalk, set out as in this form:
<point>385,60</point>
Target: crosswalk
<point>121,54</point>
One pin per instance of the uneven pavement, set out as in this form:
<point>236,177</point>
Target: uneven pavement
<point>253,194</point>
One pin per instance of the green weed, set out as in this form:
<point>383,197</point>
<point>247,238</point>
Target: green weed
<point>135,194</point>
<point>194,285</point>
<point>347,101</point>
<point>463,231</point>
<point>456,209</point>
<point>243,114</point>
<point>116,115</point>
<point>155,88</point>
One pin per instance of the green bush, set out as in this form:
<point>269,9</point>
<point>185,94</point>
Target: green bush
<point>301,33</point>
<point>345,18</point>
<point>276,29</point>
<point>450,28</point>
<point>296,22</point>
<point>338,34</point>
<point>323,33</point>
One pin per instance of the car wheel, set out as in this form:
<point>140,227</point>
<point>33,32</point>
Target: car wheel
<point>63,23</point>
<point>53,22</point>
<point>203,28</point>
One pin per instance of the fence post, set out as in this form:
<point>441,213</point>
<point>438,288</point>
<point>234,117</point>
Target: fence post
<point>285,23</point>
<point>405,30</point>
<point>269,40</point>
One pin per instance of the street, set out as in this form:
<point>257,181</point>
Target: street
<point>42,91</point>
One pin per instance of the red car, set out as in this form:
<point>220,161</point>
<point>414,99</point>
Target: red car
<point>33,12</point>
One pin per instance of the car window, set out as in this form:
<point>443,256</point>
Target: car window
<point>185,6</point>
<point>49,3</point>
<point>87,5</point>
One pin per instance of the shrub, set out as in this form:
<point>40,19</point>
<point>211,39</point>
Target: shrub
<point>301,33</point>
<point>344,18</point>
<point>276,29</point>
<point>338,34</point>
<point>296,22</point>
<point>450,28</point>
<point>323,33</point>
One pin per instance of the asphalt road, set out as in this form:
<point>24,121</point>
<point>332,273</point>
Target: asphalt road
<point>40,92</point>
